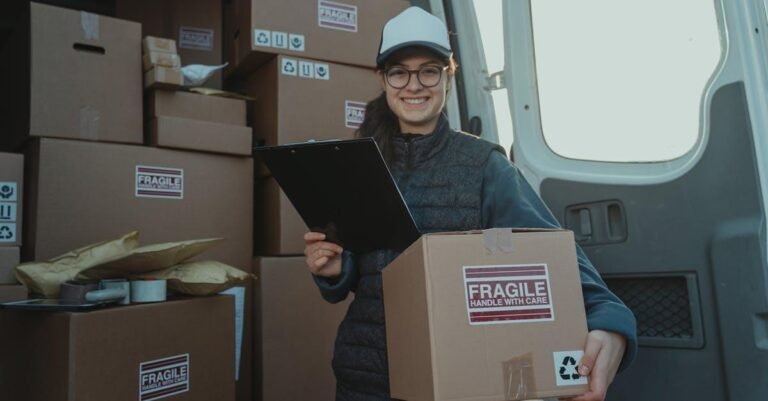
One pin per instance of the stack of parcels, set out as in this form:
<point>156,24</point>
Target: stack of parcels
<point>11,190</point>
<point>162,64</point>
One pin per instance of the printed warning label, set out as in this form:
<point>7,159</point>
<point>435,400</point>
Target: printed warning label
<point>335,15</point>
<point>8,191</point>
<point>7,212</point>
<point>354,114</point>
<point>163,378</point>
<point>508,294</point>
<point>7,232</point>
<point>195,38</point>
<point>159,182</point>
<point>566,368</point>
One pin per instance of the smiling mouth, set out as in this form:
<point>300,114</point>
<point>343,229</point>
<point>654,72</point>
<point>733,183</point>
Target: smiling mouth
<point>418,100</point>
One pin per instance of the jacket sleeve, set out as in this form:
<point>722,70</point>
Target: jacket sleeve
<point>509,201</point>
<point>336,289</point>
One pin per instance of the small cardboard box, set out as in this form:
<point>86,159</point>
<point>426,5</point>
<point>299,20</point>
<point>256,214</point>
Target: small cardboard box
<point>346,32</point>
<point>298,100</point>
<point>491,315</point>
<point>152,44</point>
<point>136,352</point>
<point>204,136</point>
<point>279,229</point>
<point>163,77</point>
<point>152,59</point>
<point>287,307</point>
<point>195,106</point>
<point>74,75</point>
<point>9,259</point>
<point>12,293</point>
<point>11,199</point>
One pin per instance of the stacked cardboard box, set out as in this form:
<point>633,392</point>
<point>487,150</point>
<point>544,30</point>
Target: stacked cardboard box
<point>185,120</point>
<point>162,65</point>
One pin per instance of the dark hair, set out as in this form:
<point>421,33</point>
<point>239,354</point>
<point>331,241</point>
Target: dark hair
<point>380,123</point>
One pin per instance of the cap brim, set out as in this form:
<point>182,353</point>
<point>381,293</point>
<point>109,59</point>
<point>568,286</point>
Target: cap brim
<point>441,51</point>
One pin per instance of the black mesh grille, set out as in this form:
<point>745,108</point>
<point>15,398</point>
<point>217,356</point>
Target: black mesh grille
<point>660,305</point>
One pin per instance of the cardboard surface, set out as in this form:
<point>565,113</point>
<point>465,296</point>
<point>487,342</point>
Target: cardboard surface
<point>194,24</point>
<point>11,199</point>
<point>182,133</point>
<point>159,77</point>
<point>12,293</point>
<point>484,315</point>
<point>195,106</point>
<point>279,228</point>
<point>86,192</point>
<point>291,108</point>
<point>346,32</point>
<point>81,80</point>
<point>161,45</point>
<point>288,307</point>
<point>99,355</point>
<point>160,58</point>
<point>9,259</point>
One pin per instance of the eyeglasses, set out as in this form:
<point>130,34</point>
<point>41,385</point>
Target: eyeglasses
<point>428,76</point>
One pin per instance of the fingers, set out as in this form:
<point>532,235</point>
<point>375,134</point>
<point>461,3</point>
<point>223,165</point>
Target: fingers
<point>602,356</point>
<point>591,350</point>
<point>313,236</point>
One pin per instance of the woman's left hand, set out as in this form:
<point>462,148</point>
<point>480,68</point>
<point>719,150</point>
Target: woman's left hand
<point>601,360</point>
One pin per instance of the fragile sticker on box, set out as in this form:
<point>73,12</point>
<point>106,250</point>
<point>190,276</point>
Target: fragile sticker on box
<point>195,38</point>
<point>159,182</point>
<point>336,16</point>
<point>354,114</point>
<point>163,378</point>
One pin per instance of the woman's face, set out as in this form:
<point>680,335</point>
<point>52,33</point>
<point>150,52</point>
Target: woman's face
<point>416,105</point>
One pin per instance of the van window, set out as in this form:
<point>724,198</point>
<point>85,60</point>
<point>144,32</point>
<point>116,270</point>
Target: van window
<point>622,81</point>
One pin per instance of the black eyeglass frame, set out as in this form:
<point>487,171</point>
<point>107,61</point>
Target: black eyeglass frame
<point>418,75</point>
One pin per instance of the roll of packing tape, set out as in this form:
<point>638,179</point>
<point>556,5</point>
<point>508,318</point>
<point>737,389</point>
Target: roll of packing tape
<point>148,291</point>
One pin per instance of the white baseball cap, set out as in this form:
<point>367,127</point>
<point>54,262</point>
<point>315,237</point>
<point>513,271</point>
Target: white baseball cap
<point>413,27</point>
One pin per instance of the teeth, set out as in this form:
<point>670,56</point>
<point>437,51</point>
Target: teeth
<point>415,101</point>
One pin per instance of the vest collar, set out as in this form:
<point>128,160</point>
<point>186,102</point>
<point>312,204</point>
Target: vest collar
<point>421,147</point>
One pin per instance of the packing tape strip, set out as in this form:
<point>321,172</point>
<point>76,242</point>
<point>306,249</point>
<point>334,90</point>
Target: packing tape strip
<point>498,240</point>
<point>519,383</point>
<point>90,24</point>
<point>148,291</point>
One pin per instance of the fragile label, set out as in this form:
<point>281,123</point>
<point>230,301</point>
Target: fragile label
<point>163,378</point>
<point>159,182</point>
<point>566,368</point>
<point>508,294</point>
<point>7,232</point>
<point>8,191</point>
<point>354,114</point>
<point>195,38</point>
<point>336,16</point>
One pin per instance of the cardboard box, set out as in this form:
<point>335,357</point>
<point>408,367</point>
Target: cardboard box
<point>151,44</point>
<point>195,106</point>
<point>279,228</point>
<point>121,352</point>
<point>75,75</point>
<point>346,32</point>
<point>12,293</point>
<point>81,192</point>
<point>298,100</point>
<point>491,315</point>
<point>9,259</point>
<point>288,307</point>
<point>11,199</point>
<point>182,133</point>
<point>152,59</point>
<point>163,78</point>
<point>194,24</point>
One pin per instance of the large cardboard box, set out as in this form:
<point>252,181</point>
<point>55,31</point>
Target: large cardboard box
<point>136,352</point>
<point>279,230</point>
<point>293,323</point>
<point>194,106</point>
<point>69,74</point>
<point>194,24</point>
<point>346,32</point>
<point>85,192</point>
<point>491,315</point>
<point>9,259</point>
<point>11,198</point>
<point>298,100</point>
<point>204,136</point>
<point>12,293</point>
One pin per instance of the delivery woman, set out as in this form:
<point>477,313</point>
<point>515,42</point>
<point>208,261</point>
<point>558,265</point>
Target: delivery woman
<point>451,181</point>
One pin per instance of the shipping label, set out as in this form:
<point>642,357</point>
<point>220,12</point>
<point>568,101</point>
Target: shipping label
<point>335,15</point>
<point>163,378</point>
<point>354,114</point>
<point>159,182</point>
<point>566,368</point>
<point>195,38</point>
<point>499,294</point>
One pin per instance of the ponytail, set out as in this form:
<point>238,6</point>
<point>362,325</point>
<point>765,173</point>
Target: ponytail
<point>381,124</point>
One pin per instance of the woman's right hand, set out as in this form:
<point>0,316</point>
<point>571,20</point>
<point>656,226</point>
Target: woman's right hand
<point>323,258</point>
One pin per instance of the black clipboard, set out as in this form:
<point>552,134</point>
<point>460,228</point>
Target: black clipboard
<point>344,189</point>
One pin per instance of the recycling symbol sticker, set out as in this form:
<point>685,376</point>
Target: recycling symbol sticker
<point>8,232</point>
<point>289,66</point>
<point>566,368</point>
<point>262,37</point>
